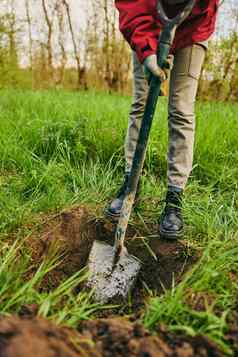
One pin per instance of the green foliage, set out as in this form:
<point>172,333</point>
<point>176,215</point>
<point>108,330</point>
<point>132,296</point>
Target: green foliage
<point>61,304</point>
<point>209,278</point>
<point>59,147</point>
<point>62,148</point>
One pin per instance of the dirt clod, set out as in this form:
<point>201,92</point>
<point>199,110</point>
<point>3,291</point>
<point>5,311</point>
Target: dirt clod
<point>37,337</point>
<point>119,337</point>
<point>71,234</point>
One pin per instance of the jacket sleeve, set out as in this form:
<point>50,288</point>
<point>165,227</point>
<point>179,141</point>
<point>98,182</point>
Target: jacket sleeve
<point>137,21</point>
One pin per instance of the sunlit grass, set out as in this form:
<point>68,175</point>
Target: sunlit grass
<point>60,148</point>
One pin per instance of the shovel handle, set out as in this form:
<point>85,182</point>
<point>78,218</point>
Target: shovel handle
<point>177,20</point>
<point>164,45</point>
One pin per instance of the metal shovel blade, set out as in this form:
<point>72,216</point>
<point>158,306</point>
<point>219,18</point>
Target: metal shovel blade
<point>108,280</point>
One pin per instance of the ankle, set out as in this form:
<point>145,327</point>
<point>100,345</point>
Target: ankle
<point>175,189</point>
<point>174,199</point>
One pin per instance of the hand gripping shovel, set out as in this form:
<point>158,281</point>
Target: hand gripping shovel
<point>112,270</point>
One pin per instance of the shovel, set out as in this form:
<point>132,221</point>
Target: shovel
<point>112,270</point>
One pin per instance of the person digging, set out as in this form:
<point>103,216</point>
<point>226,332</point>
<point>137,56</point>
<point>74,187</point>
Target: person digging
<point>140,25</point>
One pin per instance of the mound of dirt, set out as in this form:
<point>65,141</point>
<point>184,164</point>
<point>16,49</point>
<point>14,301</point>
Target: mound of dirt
<point>37,338</point>
<point>100,338</point>
<point>74,231</point>
<point>71,234</point>
<point>119,337</point>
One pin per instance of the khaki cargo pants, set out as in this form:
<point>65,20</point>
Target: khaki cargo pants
<point>181,117</point>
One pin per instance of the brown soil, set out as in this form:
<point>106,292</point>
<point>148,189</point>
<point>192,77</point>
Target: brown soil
<point>199,301</point>
<point>73,233</point>
<point>35,337</point>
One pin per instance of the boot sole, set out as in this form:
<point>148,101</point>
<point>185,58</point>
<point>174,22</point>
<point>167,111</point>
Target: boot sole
<point>170,235</point>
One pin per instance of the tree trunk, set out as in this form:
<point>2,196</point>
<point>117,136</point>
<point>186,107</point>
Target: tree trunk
<point>80,71</point>
<point>49,39</point>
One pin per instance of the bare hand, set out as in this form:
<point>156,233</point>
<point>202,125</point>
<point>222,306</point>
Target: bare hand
<point>151,67</point>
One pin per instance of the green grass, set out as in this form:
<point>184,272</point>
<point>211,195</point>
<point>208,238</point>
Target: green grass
<point>63,148</point>
<point>59,304</point>
<point>209,277</point>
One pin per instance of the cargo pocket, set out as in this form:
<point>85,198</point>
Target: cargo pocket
<point>188,61</point>
<point>197,55</point>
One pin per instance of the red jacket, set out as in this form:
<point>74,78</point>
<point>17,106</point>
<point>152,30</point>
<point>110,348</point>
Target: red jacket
<point>140,25</point>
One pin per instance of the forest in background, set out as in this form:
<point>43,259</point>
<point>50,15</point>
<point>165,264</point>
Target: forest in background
<point>76,44</point>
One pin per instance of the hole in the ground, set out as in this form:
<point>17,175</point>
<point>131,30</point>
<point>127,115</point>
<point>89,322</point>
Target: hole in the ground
<point>74,231</point>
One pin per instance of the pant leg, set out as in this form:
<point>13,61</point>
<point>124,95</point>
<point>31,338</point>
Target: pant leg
<point>181,120</point>
<point>140,90</point>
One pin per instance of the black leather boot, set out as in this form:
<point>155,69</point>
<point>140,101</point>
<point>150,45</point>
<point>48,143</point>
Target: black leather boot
<point>171,223</point>
<point>114,208</point>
